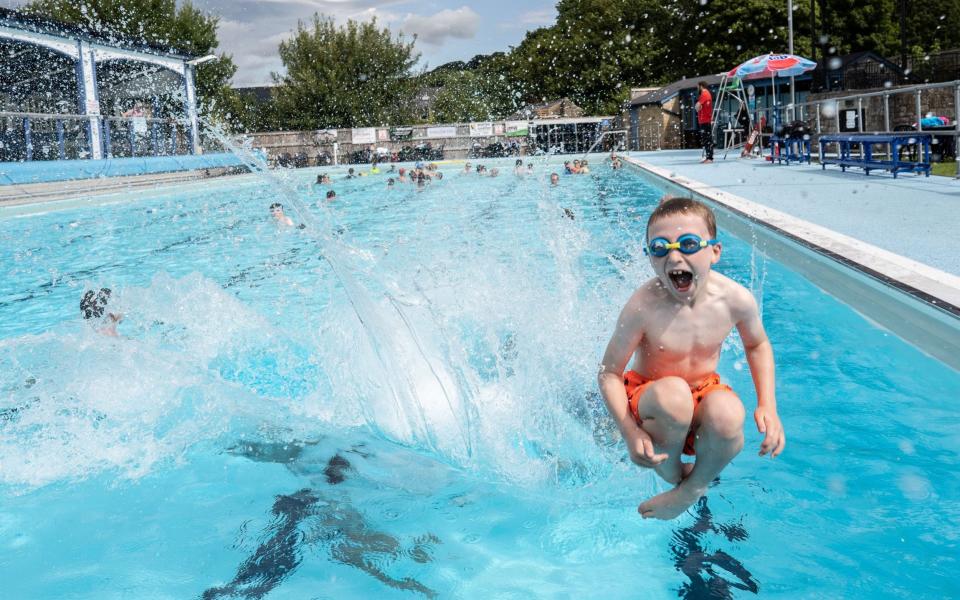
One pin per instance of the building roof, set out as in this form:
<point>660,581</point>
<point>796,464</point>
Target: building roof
<point>542,110</point>
<point>667,92</point>
<point>848,60</point>
<point>259,93</point>
<point>18,20</point>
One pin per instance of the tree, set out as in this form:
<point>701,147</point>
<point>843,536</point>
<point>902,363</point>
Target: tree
<point>478,90</point>
<point>159,23</point>
<point>350,76</point>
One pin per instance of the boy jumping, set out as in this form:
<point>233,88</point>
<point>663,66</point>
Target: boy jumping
<point>672,401</point>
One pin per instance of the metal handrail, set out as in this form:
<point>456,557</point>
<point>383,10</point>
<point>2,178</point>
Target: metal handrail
<point>31,115</point>
<point>886,94</point>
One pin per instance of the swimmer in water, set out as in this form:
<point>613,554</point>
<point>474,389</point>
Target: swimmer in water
<point>93,309</point>
<point>276,210</point>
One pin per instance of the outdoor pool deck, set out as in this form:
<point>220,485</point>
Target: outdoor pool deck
<point>912,216</point>
<point>879,234</point>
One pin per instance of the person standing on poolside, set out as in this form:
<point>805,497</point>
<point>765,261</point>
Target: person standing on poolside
<point>704,107</point>
<point>671,401</point>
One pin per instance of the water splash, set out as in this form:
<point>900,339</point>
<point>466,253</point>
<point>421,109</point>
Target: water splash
<point>427,408</point>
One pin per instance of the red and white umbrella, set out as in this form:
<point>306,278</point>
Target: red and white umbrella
<point>773,65</point>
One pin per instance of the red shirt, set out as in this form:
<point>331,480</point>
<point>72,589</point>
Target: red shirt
<point>706,108</point>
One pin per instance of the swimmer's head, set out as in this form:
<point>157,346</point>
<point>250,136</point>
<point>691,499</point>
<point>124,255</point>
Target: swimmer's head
<point>688,229</point>
<point>390,182</point>
<point>519,162</point>
<point>94,303</point>
<point>673,205</point>
<point>554,178</point>
<point>331,194</point>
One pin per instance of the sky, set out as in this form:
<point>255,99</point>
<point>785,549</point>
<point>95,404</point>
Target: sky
<point>447,30</point>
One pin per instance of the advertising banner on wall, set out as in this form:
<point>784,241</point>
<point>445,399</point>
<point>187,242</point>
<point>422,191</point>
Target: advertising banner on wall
<point>481,129</point>
<point>516,128</point>
<point>442,132</point>
<point>363,135</point>
<point>383,135</point>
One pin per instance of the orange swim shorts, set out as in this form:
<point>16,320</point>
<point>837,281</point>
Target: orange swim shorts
<point>637,383</point>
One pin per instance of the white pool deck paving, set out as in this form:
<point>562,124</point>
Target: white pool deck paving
<point>907,229</point>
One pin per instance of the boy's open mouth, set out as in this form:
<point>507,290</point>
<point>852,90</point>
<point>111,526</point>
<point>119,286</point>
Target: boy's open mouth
<point>682,280</point>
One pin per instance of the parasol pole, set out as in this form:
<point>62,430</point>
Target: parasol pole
<point>793,97</point>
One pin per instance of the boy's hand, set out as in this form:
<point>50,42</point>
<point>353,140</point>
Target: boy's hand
<point>641,450</point>
<point>769,423</point>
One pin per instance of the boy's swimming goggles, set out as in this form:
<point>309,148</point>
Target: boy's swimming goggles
<point>688,243</point>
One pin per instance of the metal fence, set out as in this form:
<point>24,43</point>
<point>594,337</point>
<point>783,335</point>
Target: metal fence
<point>26,136</point>
<point>894,109</point>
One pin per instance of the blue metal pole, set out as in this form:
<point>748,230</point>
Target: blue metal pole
<point>107,150</point>
<point>154,146</point>
<point>28,138</point>
<point>60,143</point>
<point>154,127</point>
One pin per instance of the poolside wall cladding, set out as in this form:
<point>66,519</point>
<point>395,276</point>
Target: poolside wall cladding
<point>276,143</point>
<point>13,173</point>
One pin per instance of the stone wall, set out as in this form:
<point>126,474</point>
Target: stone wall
<point>902,106</point>
<point>312,143</point>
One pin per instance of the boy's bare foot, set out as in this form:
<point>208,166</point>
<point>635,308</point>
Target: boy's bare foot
<point>670,504</point>
<point>708,161</point>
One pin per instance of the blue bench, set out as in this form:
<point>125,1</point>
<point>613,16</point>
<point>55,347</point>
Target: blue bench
<point>866,161</point>
<point>791,148</point>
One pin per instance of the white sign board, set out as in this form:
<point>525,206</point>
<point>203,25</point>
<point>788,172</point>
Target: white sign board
<point>516,126</point>
<point>481,129</point>
<point>442,132</point>
<point>851,120</point>
<point>363,135</point>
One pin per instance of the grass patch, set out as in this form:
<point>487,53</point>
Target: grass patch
<point>947,169</point>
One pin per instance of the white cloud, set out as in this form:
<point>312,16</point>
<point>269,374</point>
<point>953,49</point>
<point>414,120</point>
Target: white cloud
<point>460,23</point>
<point>538,18</point>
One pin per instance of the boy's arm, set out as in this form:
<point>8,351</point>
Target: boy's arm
<point>626,337</point>
<point>760,358</point>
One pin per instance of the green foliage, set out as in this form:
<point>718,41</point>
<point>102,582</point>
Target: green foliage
<point>160,23</point>
<point>351,76</point>
<point>478,90</point>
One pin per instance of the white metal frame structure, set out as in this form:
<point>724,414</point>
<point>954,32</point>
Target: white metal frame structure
<point>87,53</point>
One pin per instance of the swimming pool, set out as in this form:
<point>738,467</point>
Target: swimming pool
<point>263,431</point>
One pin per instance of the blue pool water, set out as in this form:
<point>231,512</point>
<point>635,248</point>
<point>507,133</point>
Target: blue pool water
<point>400,401</point>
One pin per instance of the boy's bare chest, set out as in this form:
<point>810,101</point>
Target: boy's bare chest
<point>697,333</point>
